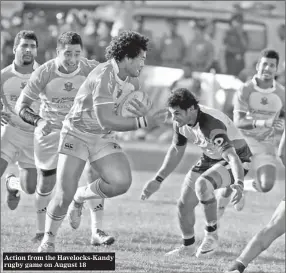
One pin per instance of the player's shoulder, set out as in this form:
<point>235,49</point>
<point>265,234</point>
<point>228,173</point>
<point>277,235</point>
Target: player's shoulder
<point>279,87</point>
<point>211,118</point>
<point>6,71</point>
<point>47,67</point>
<point>88,64</point>
<point>102,71</point>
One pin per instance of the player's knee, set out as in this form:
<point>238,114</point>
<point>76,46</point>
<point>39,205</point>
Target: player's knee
<point>184,206</point>
<point>47,180</point>
<point>63,199</point>
<point>264,184</point>
<point>30,189</point>
<point>120,185</point>
<point>204,189</point>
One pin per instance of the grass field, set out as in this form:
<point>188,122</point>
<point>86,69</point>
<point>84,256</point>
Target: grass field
<point>145,231</point>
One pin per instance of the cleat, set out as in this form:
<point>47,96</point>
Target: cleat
<point>101,238</point>
<point>209,244</point>
<point>222,203</point>
<point>13,196</point>
<point>46,247</point>
<point>232,271</point>
<point>38,238</point>
<point>74,214</point>
<point>240,205</point>
<point>182,250</point>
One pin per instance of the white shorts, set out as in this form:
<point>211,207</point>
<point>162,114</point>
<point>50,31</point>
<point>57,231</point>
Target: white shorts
<point>87,146</point>
<point>46,150</point>
<point>264,153</point>
<point>17,146</point>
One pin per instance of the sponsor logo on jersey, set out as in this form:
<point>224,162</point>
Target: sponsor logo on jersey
<point>264,101</point>
<point>69,86</point>
<point>23,84</point>
<point>68,146</point>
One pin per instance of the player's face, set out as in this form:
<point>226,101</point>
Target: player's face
<point>134,66</point>
<point>181,116</point>
<point>69,57</point>
<point>26,51</point>
<point>266,68</point>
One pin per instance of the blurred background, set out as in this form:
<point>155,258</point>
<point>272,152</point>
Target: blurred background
<point>210,47</point>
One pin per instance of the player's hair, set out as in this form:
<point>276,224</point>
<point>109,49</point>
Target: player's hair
<point>183,98</point>
<point>126,44</point>
<point>25,34</point>
<point>270,53</point>
<point>69,38</point>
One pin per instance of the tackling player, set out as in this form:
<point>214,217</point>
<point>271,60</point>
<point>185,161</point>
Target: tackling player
<point>257,110</point>
<point>56,84</point>
<point>17,136</point>
<point>87,133</point>
<point>223,162</point>
<point>264,238</point>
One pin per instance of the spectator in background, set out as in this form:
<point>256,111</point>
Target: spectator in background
<point>153,56</point>
<point>236,43</point>
<point>200,52</point>
<point>187,81</point>
<point>172,46</point>
<point>43,33</point>
<point>102,40</point>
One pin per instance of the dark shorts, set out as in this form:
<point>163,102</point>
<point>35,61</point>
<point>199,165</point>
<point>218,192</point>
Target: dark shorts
<point>206,162</point>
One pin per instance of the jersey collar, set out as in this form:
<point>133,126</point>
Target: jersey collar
<point>197,119</point>
<point>26,76</point>
<point>70,75</point>
<point>261,90</point>
<point>116,71</point>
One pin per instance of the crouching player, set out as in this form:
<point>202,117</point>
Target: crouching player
<point>223,162</point>
<point>264,238</point>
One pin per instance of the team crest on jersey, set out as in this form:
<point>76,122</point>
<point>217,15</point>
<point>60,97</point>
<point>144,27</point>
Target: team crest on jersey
<point>69,86</point>
<point>23,84</point>
<point>264,101</point>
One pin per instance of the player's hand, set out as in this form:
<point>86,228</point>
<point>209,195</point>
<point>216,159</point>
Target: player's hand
<point>5,117</point>
<point>157,118</point>
<point>138,108</point>
<point>149,188</point>
<point>238,192</point>
<point>44,126</point>
<point>278,124</point>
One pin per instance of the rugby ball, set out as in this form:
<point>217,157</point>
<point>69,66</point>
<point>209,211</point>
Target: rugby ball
<point>125,103</point>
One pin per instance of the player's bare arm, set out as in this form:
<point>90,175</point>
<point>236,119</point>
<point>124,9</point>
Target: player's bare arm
<point>172,159</point>
<point>24,110</point>
<point>234,161</point>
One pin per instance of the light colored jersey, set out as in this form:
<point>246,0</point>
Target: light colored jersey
<point>102,86</point>
<point>213,131</point>
<point>260,104</point>
<point>12,84</point>
<point>55,89</point>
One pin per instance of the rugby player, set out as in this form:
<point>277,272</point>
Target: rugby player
<point>56,84</point>
<point>265,237</point>
<point>87,133</point>
<point>258,108</point>
<point>223,162</point>
<point>16,135</point>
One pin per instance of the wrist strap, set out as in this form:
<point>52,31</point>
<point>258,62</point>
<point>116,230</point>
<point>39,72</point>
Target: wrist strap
<point>159,178</point>
<point>141,122</point>
<point>240,183</point>
<point>258,123</point>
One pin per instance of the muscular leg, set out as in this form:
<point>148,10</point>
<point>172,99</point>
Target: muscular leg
<point>262,240</point>
<point>69,171</point>
<point>43,195</point>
